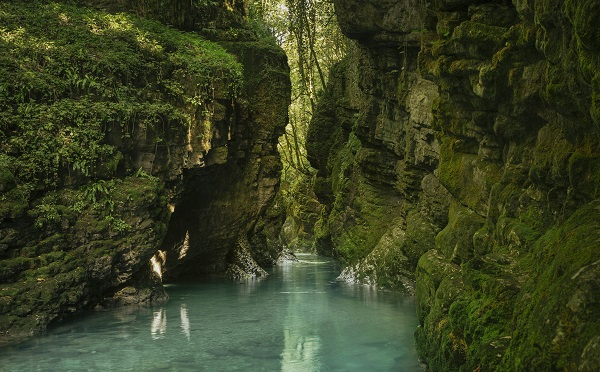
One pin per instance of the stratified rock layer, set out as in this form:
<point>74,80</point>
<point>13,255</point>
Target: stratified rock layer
<point>458,156</point>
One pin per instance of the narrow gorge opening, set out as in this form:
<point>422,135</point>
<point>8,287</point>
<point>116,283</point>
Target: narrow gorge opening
<point>232,200</point>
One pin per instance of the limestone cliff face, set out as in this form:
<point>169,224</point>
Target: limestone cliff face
<point>458,150</point>
<point>377,165</point>
<point>229,200</point>
<point>133,153</point>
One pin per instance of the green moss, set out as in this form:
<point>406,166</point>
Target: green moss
<point>452,164</point>
<point>535,217</point>
<point>481,321</point>
<point>14,202</point>
<point>360,217</point>
<point>557,85</point>
<point>595,106</point>
<point>483,36</point>
<point>527,300</point>
<point>584,172</point>
<point>584,15</point>
<point>7,179</point>
<point>390,263</point>
<point>551,157</point>
<point>439,284</point>
<point>11,268</point>
<point>455,241</point>
<point>479,32</point>
<point>465,176</point>
<point>483,239</point>
<point>467,324</point>
<point>524,34</point>
<point>515,235</point>
<point>452,118</point>
<point>557,309</point>
<point>49,244</point>
<point>572,49</point>
<point>261,60</point>
<point>322,238</point>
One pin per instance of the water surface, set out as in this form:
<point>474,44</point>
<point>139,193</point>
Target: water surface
<point>298,319</point>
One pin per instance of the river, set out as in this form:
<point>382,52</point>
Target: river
<point>297,319</point>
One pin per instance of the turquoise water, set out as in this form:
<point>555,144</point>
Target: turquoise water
<point>298,319</point>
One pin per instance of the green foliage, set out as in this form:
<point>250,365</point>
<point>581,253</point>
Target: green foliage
<point>46,213</point>
<point>7,179</point>
<point>313,42</point>
<point>69,75</point>
<point>141,173</point>
<point>341,168</point>
<point>117,224</point>
<point>96,191</point>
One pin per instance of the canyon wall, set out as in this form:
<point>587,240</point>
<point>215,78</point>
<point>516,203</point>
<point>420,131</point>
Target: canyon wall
<point>133,152</point>
<point>457,149</point>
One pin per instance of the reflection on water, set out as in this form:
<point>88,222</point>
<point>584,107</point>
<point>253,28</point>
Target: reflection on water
<point>185,321</point>
<point>159,324</point>
<point>300,353</point>
<point>302,340</point>
<point>298,319</point>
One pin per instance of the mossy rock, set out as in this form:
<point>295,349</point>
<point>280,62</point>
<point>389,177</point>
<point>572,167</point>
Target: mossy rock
<point>325,134</point>
<point>439,285</point>
<point>584,15</point>
<point>466,323</point>
<point>14,203</point>
<point>83,238</point>
<point>595,106</point>
<point>485,38</point>
<point>7,179</point>
<point>455,241</point>
<point>515,235</point>
<point>558,84</point>
<point>432,268</point>
<point>387,265</point>
<point>551,157</point>
<point>584,173</point>
<point>75,73</point>
<point>557,309</point>
<point>466,177</point>
<point>421,233</point>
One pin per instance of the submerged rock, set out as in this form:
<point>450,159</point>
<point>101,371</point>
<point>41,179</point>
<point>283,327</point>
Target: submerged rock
<point>241,265</point>
<point>286,255</point>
